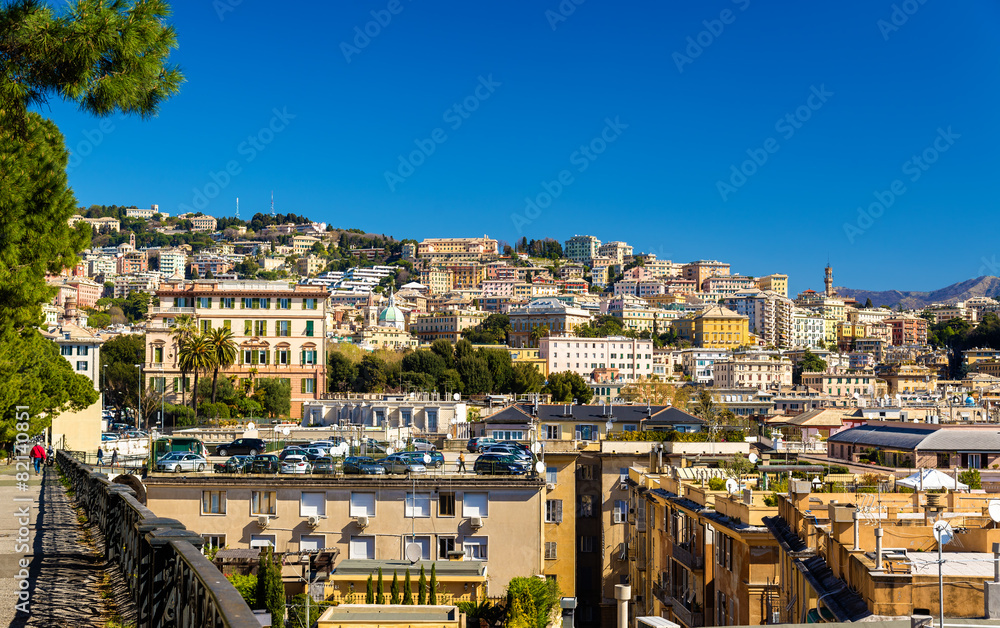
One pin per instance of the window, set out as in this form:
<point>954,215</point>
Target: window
<point>943,461</point>
<point>214,540</point>
<point>157,354</point>
<point>362,504</point>
<point>475,547</point>
<point>553,511</point>
<point>586,432</point>
<point>308,356</point>
<point>446,504</point>
<point>553,432</point>
<point>406,417</point>
<point>312,542</point>
<point>620,510</point>
<point>418,505</point>
<point>476,504</point>
<point>262,502</point>
<point>81,366</point>
<point>550,550</point>
<point>213,502</point>
<point>205,302</point>
<point>284,304</point>
<point>587,544</point>
<point>586,505</point>
<point>262,540</point>
<point>65,350</point>
<point>309,304</point>
<point>551,474</point>
<point>312,504</point>
<point>260,328</point>
<point>309,328</point>
<point>445,544</point>
<point>587,472</point>
<point>362,547</point>
<point>432,420</point>
<point>284,328</point>
<point>82,350</point>
<point>281,357</point>
<point>309,385</point>
<point>228,302</point>
<point>206,326</point>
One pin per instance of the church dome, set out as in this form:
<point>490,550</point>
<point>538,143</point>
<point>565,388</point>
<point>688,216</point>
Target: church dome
<point>392,316</point>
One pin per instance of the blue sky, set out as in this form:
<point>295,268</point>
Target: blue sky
<point>608,115</point>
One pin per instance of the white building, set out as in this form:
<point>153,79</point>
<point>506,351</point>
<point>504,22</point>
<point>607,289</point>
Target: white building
<point>699,364</point>
<point>753,370</point>
<point>808,328</point>
<point>81,430</point>
<point>631,357</point>
<point>769,314</point>
<point>583,249</point>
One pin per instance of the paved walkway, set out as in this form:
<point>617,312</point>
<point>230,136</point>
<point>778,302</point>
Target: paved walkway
<point>66,581</point>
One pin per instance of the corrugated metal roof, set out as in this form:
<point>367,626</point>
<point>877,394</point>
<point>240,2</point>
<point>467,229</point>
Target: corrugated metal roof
<point>958,439</point>
<point>894,436</point>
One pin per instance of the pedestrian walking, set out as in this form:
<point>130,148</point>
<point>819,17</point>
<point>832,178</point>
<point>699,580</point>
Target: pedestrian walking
<point>100,456</point>
<point>461,462</point>
<point>114,457</point>
<point>38,457</point>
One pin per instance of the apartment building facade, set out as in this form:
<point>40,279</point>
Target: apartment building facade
<point>471,249</point>
<point>552,314</point>
<point>715,327</point>
<point>445,325</point>
<point>582,249</point>
<point>630,359</point>
<point>769,315</point>
<point>280,332</point>
<point>753,370</point>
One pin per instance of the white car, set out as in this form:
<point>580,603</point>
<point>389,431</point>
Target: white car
<point>178,461</point>
<point>295,464</point>
<point>337,450</point>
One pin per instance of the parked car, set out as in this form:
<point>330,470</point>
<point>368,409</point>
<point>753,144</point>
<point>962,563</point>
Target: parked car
<point>499,464</point>
<point>236,464</point>
<point>107,437</point>
<point>295,464</point>
<point>364,465</point>
<point>437,458</point>
<point>422,444</point>
<point>265,463</point>
<point>517,445</point>
<point>480,443</point>
<point>315,453</point>
<point>247,446</point>
<point>397,463</point>
<point>508,450</point>
<point>292,451</point>
<point>178,461</point>
<point>324,464</point>
<point>372,446</point>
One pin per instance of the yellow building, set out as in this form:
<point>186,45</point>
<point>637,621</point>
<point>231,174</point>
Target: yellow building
<point>774,283</point>
<point>302,244</point>
<point>909,378</point>
<point>714,328</point>
<point>437,281</point>
<point>385,338</point>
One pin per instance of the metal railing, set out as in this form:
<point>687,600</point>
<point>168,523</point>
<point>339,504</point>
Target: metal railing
<point>170,581</point>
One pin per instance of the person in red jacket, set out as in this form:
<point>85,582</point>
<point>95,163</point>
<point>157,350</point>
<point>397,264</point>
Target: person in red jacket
<point>38,457</point>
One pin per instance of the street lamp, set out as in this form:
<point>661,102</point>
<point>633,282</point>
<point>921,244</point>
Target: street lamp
<point>163,393</point>
<point>139,418</point>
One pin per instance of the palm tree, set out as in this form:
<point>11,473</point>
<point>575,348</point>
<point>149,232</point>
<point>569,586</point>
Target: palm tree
<point>197,356</point>
<point>225,350</point>
<point>184,329</point>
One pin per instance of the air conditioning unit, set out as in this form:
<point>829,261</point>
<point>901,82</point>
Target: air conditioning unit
<point>550,486</point>
<point>362,521</point>
<point>775,617</point>
<point>476,522</point>
<point>263,521</point>
<point>313,521</point>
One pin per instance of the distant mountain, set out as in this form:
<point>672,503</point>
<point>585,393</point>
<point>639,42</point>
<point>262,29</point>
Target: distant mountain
<point>980,287</point>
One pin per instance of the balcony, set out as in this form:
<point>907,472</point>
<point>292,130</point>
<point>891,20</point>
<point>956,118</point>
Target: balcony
<point>686,557</point>
<point>687,616</point>
<point>171,310</point>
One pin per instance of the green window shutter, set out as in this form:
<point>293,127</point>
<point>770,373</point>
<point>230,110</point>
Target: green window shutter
<point>227,325</point>
<point>247,328</point>
<point>302,357</point>
<point>253,357</point>
<point>303,382</point>
<point>209,306</point>
<point>309,328</point>
<point>176,382</point>
<point>263,328</point>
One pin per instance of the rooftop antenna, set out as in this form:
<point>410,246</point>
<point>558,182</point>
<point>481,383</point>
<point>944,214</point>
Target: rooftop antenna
<point>272,203</point>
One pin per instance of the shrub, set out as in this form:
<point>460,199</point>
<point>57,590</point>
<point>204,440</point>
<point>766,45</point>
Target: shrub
<point>972,478</point>
<point>534,599</point>
<point>246,586</point>
<point>771,500</point>
<point>216,410</point>
<point>716,484</point>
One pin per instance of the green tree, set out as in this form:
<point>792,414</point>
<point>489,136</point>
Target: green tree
<point>463,348</point>
<point>705,407</point>
<point>274,396</point>
<point>182,331</point>
<point>407,590</point>
<point>501,368</point>
<point>297,611</point>
<point>246,585</point>
<point>475,374</point>
<point>270,590</point>
<point>225,351</point>
<point>526,378</point>
<point>372,375</point>
<point>737,466</point>
<point>868,303</point>
<point>568,386</point>
<point>394,588</point>
<point>380,589</point>
<point>342,372</point>
<point>370,591</point>
<point>812,363</point>
<point>972,478</point>
<point>432,586</point>
<point>98,320</point>
<point>424,361</point>
<point>422,587</point>
<point>444,349</point>
<point>197,356</point>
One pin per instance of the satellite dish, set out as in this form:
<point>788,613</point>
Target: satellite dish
<point>286,431</point>
<point>457,397</point>
<point>994,509</point>
<point>753,458</point>
<point>427,458</point>
<point>251,425</point>
<point>413,552</point>
<point>943,533</point>
<point>539,467</point>
<point>536,447</point>
<point>389,451</point>
<point>732,485</point>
